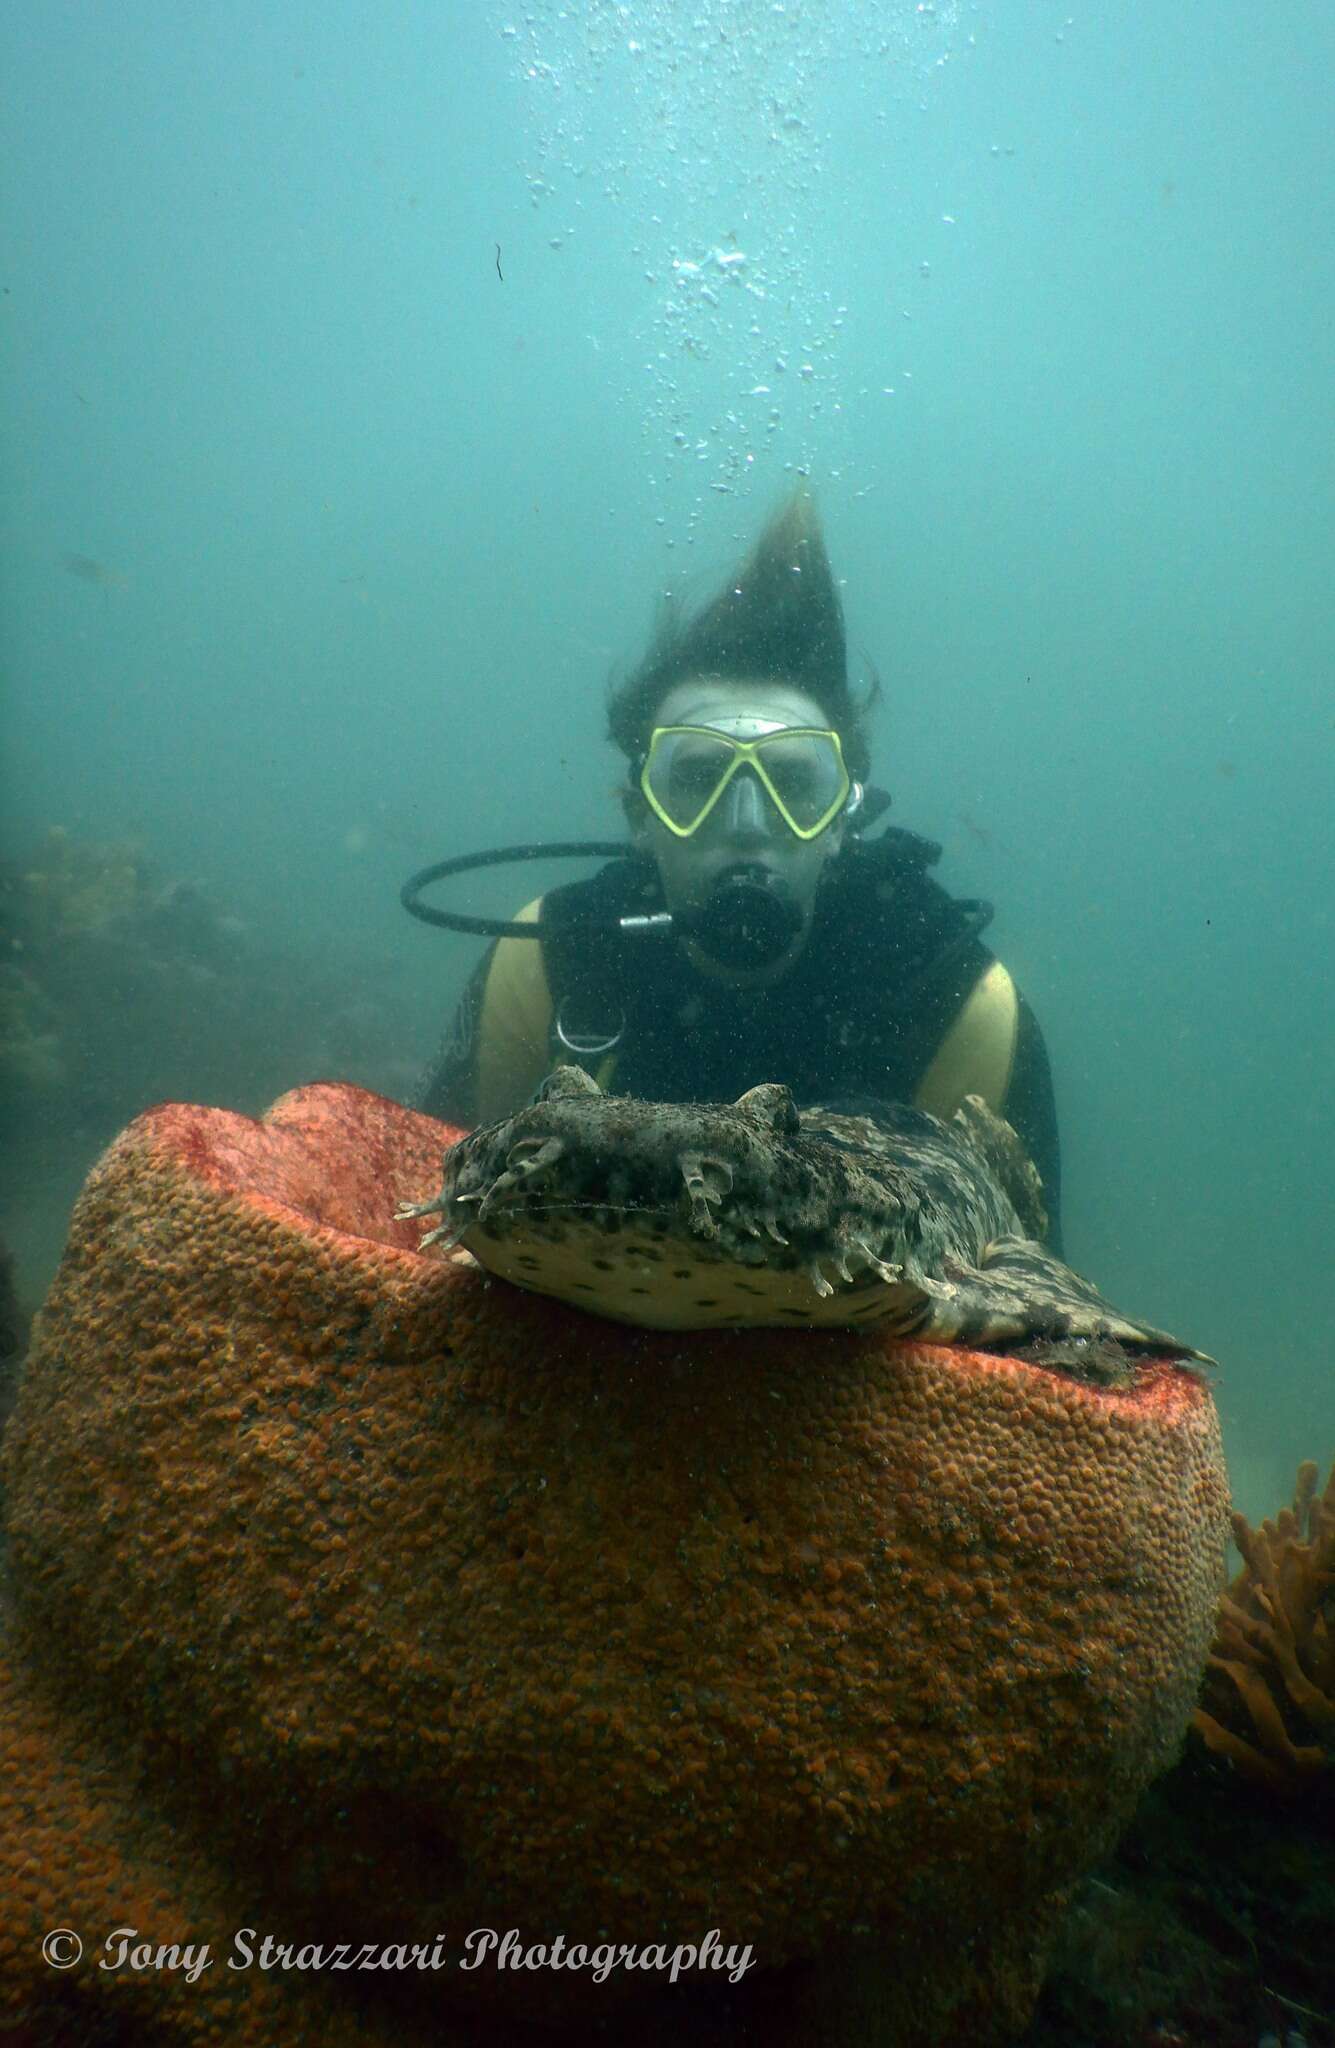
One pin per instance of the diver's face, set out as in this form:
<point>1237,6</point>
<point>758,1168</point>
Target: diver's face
<point>744,830</point>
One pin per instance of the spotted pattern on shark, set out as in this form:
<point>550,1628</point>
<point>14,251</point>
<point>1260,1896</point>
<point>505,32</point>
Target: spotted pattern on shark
<point>758,1213</point>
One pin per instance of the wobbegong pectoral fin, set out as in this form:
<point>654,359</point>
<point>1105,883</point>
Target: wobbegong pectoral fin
<point>1023,1278</point>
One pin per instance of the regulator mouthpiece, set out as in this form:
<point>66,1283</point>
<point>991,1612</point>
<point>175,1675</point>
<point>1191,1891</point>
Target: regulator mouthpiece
<point>749,920</point>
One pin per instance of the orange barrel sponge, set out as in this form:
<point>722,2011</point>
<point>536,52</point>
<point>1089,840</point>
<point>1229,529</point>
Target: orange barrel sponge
<point>366,1602</point>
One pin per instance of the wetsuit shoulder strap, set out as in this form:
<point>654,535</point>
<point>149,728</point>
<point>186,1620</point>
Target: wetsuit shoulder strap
<point>977,1054</point>
<point>514,1023</point>
<point>585,955</point>
<point>494,1052</point>
<point>963,1025</point>
<point>899,905</point>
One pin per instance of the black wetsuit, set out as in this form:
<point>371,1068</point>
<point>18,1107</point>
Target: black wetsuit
<point>890,963</point>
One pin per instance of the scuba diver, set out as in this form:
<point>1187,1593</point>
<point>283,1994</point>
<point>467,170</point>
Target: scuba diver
<point>752,931</point>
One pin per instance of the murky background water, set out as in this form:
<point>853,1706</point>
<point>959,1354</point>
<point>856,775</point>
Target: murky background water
<point>371,374</point>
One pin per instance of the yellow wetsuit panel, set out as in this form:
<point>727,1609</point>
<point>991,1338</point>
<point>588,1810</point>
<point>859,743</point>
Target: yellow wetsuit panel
<point>514,1030</point>
<point>977,1054</point>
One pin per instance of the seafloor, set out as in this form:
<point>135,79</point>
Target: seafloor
<point>1212,1926</point>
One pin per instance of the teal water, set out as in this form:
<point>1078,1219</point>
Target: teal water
<point>322,529</point>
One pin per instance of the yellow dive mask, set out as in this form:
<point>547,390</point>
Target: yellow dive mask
<point>801,769</point>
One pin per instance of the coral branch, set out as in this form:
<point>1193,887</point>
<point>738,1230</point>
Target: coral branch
<point>1268,1703</point>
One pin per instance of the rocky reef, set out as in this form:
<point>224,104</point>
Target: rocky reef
<point>358,1598</point>
<point>121,986</point>
<point>1207,1927</point>
<point>14,1324</point>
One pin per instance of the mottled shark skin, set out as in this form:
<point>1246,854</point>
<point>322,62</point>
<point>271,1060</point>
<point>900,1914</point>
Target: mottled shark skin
<point>699,1216</point>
